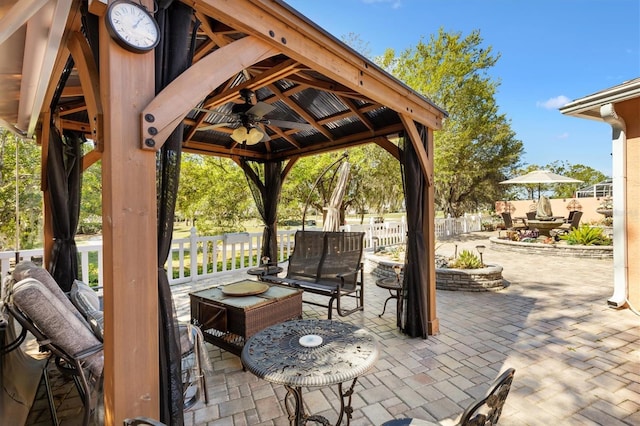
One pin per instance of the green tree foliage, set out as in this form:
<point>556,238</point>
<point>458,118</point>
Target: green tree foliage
<point>588,176</point>
<point>27,179</point>
<point>374,184</point>
<point>91,198</point>
<point>298,187</point>
<point>476,147</point>
<point>215,192</point>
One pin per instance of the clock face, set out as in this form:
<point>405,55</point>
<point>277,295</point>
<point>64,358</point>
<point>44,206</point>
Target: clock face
<point>132,26</point>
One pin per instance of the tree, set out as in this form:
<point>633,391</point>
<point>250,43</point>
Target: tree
<point>376,182</point>
<point>215,192</point>
<point>476,147</point>
<point>299,187</point>
<point>588,176</point>
<point>26,175</point>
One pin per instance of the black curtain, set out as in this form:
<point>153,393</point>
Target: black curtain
<point>416,277</point>
<point>64,171</point>
<point>265,182</point>
<point>173,56</point>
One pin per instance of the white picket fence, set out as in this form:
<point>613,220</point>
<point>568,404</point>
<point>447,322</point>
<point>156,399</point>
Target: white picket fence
<point>239,251</point>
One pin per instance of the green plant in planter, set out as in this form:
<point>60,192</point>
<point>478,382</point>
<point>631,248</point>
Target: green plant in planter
<point>587,236</point>
<point>466,260</point>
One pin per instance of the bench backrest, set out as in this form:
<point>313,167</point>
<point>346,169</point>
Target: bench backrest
<point>343,253</point>
<point>306,256</point>
<point>320,256</point>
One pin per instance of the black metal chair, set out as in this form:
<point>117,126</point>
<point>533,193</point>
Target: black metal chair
<point>513,224</point>
<point>140,421</point>
<point>484,411</point>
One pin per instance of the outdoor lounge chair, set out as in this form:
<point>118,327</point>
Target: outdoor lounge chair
<point>484,411</point>
<point>38,304</point>
<point>513,224</point>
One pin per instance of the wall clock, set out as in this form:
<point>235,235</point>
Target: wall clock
<point>132,26</point>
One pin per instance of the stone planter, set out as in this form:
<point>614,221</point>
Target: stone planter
<point>484,279</point>
<point>594,252</point>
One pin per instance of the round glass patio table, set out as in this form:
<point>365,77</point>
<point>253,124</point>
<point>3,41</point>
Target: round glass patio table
<point>311,353</point>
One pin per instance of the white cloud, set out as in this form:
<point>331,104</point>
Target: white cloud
<point>564,135</point>
<point>554,103</point>
<point>395,4</point>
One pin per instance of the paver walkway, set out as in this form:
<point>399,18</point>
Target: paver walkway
<point>577,361</point>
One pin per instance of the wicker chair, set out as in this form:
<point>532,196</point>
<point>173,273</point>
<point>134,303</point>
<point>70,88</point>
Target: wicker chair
<point>484,411</point>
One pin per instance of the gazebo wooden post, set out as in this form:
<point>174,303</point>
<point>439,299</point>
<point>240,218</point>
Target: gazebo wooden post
<point>425,158</point>
<point>131,372</point>
<point>428,227</point>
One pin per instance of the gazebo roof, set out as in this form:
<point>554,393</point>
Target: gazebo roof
<point>339,97</point>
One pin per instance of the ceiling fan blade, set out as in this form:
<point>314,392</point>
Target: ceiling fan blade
<point>288,124</point>
<point>265,135</point>
<point>261,109</point>
<point>211,111</point>
<point>214,126</point>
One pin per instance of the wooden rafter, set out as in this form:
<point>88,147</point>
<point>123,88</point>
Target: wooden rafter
<point>265,78</point>
<point>170,106</point>
<point>300,111</point>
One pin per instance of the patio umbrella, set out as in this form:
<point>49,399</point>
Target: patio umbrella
<point>332,221</point>
<point>540,177</point>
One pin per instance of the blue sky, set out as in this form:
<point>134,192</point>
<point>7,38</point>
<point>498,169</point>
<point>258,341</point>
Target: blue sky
<point>552,52</point>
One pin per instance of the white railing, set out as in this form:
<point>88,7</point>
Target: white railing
<point>237,251</point>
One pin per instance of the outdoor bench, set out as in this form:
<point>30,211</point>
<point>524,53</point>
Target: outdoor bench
<point>328,264</point>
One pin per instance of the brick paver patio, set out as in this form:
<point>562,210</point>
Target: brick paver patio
<point>577,361</point>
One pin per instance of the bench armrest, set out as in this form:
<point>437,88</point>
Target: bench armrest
<point>346,274</point>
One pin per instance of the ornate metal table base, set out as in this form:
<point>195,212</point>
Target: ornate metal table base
<point>298,417</point>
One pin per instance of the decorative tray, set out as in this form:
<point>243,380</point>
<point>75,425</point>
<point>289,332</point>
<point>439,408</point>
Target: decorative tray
<point>245,288</point>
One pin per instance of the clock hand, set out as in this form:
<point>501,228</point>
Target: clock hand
<point>136,24</point>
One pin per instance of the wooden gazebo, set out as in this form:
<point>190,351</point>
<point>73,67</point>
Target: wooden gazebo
<point>63,72</point>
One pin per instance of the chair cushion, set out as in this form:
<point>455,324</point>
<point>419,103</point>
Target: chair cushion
<point>83,294</point>
<point>26,269</point>
<point>86,300</point>
<point>58,323</point>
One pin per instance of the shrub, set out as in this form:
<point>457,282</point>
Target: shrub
<point>466,260</point>
<point>587,236</point>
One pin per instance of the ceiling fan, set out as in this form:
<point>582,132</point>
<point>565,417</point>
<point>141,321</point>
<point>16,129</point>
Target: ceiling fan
<point>248,119</point>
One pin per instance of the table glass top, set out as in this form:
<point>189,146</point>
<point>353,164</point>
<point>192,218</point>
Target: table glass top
<point>216,294</point>
<point>310,352</point>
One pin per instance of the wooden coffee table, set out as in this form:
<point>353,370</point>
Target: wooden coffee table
<point>227,321</point>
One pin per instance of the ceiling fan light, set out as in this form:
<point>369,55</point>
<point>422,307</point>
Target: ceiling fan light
<point>240,134</point>
<point>254,136</point>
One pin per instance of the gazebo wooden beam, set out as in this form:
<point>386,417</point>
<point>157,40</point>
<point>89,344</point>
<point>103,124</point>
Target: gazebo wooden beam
<point>276,73</point>
<point>90,82</point>
<point>426,163</point>
<point>161,116</point>
<point>307,44</point>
